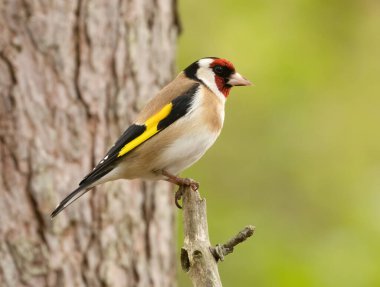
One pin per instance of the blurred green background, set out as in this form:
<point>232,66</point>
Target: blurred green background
<point>299,156</point>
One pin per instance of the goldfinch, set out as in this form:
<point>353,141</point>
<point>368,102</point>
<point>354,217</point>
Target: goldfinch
<point>172,132</point>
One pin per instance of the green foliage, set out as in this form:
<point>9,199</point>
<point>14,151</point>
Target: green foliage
<point>299,156</point>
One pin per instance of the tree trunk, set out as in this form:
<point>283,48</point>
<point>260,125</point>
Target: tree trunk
<point>73,74</point>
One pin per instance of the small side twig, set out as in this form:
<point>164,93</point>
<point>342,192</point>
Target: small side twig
<point>221,250</point>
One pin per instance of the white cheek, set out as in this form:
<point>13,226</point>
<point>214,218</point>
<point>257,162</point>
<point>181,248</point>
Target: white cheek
<point>208,78</point>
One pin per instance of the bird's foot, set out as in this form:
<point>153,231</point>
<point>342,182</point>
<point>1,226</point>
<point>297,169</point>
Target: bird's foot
<point>181,182</point>
<point>178,196</point>
<point>187,182</point>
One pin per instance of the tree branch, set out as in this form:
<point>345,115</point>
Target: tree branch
<point>221,250</point>
<point>198,258</point>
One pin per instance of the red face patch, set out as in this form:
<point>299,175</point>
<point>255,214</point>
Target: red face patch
<point>222,87</point>
<point>222,62</point>
<point>220,80</point>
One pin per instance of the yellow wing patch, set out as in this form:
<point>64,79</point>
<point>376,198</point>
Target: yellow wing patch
<point>151,129</point>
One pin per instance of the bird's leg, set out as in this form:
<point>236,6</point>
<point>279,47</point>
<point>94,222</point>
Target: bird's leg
<point>181,182</point>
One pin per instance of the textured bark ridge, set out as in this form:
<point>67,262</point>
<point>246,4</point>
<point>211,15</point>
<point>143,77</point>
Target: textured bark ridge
<point>73,74</point>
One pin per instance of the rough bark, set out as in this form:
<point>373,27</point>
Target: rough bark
<point>73,74</point>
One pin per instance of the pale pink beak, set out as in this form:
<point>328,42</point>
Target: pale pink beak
<point>238,80</point>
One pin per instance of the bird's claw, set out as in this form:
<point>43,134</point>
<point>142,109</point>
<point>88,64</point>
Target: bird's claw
<point>182,183</point>
<point>187,182</point>
<point>178,196</point>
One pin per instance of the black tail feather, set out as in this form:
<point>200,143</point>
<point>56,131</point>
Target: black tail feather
<point>69,199</point>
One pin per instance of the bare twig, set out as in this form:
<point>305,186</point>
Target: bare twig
<point>198,258</point>
<point>221,250</point>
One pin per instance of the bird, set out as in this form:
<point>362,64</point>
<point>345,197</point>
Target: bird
<point>172,132</point>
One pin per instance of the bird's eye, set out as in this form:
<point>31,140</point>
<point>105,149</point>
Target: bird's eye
<point>219,70</point>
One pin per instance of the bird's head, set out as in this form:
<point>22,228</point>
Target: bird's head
<point>218,74</point>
